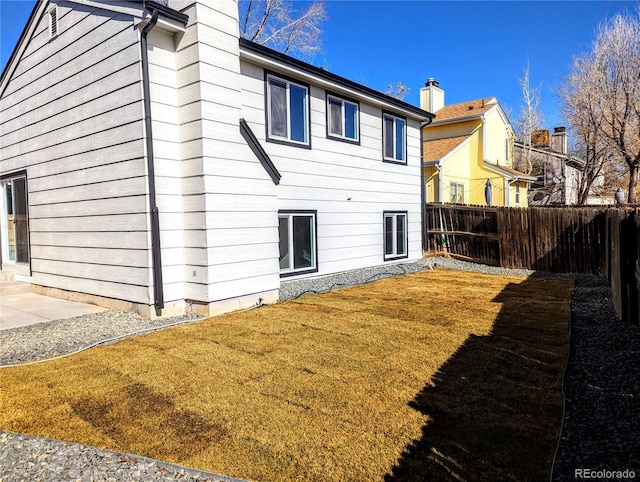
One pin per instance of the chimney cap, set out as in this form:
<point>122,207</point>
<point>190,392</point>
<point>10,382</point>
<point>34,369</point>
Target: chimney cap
<point>431,81</point>
<point>559,129</point>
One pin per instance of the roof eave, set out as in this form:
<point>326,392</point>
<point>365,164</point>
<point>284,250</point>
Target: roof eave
<point>255,53</point>
<point>38,10</point>
<point>511,177</point>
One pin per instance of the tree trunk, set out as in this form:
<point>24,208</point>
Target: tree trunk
<point>632,198</point>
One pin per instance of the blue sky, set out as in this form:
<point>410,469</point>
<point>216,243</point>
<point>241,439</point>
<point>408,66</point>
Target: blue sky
<point>474,49</point>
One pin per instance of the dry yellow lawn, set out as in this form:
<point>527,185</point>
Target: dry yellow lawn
<point>435,375</point>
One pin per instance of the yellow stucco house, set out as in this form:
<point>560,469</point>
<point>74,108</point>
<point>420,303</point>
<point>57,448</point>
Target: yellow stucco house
<point>468,153</point>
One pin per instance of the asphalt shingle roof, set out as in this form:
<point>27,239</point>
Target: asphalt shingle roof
<point>465,109</point>
<point>436,149</point>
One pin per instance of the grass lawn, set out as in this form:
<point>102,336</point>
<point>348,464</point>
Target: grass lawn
<point>438,375</point>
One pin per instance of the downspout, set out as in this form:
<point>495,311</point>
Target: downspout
<point>440,167</point>
<point>423,199</point>
<point>507,193</point>
<point>158,289</point>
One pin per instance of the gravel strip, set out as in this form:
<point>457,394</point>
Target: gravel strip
<point>601,384</point>
<point>295,288</point>
<point>49,339</point>
<point>601,428</point>
<point>33,459</point>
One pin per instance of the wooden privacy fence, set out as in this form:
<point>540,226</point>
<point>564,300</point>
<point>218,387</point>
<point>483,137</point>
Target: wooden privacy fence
<point>586,240</point>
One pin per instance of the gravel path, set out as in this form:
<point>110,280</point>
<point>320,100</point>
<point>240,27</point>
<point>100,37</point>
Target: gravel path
<point>601,384</point>
<point>46,340</point>
<point>601,428</point>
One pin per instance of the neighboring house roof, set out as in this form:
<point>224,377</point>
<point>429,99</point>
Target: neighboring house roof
<point>509,173</point>
<point>465,110</point>
<point>437,149</point>
<point>572,161</point>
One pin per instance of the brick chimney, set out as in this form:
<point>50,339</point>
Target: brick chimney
<point>431,96</point>
<point>559,140</point>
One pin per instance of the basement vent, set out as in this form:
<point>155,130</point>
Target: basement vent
<point>53,22</point>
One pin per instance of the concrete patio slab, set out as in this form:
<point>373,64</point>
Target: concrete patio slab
<point>27,308</point>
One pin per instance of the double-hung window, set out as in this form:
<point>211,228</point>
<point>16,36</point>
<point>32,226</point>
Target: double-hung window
<point>287,111</point>
<point>456,192</point>
<point>342,119</point>
<point>297,235</point>
<point>394,138</point>
<point>395,235</point>
<point>517,193</point>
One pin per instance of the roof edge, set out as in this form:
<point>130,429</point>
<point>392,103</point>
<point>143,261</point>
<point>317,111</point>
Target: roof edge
<point>307,68</point>
<point>509,175</point>
<point>38,9</point>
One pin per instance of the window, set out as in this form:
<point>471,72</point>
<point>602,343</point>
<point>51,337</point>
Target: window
<point>517,193</point>
<point>287,111</point>
<point>342,119</point>
<point>394,138</point>
<point>53,22</point>
<point>395,235</point>
<point>297,235</point>
<point>456,193</point>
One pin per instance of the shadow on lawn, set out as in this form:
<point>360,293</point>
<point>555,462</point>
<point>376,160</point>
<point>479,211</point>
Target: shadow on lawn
<point>495,407</point>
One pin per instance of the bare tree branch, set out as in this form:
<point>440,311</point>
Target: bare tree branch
<point>601,101</point>
<point>276,24</point>
<point>397,91</point>
<point>530,118</point>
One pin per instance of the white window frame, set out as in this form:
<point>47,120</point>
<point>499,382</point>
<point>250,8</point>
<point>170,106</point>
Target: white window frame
<point>395,159</point>
<point>517,193</point>
<point>459,189</point>
<point>290,270</point>
<point>307,131</point>
<point>343,102</point>
<point>54,22</point>
<point>395,253</point>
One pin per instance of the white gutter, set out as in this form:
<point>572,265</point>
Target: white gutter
<point>484,139</point>
<point>507,193</point>
<point>440,182</point>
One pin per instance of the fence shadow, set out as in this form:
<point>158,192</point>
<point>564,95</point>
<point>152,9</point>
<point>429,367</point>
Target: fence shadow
<point>495,407</point>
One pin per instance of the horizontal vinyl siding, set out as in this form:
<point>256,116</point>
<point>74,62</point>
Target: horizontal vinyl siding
<point>350,232</point>
<point>72,117</point>
<point>167,166</point>
<point>230,207</point>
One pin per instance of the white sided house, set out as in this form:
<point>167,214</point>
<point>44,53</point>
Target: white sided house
<point>150,160</point>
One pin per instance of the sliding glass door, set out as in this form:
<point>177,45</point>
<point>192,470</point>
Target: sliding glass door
<point>14,220</point>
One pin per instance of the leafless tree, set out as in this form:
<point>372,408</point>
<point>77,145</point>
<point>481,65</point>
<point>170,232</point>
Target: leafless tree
<point>602,95</point>
<point>579,112</point>
<point>530,118</point>
<point>397,91</point>
<point>280,26</point>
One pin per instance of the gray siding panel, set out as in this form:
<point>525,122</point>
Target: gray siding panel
<point>72,117</point>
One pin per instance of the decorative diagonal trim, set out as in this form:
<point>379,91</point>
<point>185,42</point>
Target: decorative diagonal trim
<point>260,153</point>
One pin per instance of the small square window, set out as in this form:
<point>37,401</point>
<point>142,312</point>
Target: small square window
<point>342,119</point>
<point>287,111</point>
<point>395,235</point>
<point>297,240</point>
<point>394,138</point>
